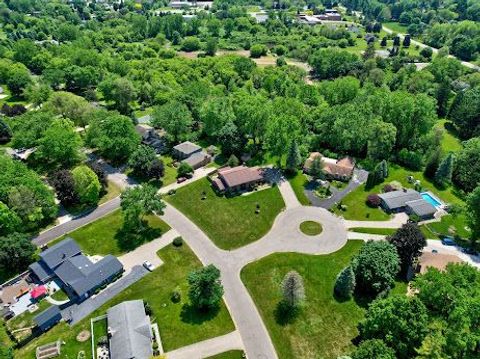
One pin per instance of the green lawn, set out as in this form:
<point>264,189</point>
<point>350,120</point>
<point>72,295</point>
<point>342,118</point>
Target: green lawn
<point>324,327</point>
<point>357,209</point>
<point>179,324</point>
<point>60,295</point>
<point>382,231</point>
<point>170,175</point>
<point>25,320</point>
<point>232,354</point>
<point>298,183</point>
<point>112,191</point>
<point>228,222</point>
<point>450,141</point>
<point>311,228</point>
<point>104,236</point>
<point>397,27</point>
<point>448,226</point>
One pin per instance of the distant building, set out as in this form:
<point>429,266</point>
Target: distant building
<point>79,276</point>
<point>48,318</point>
<point>341,169</point>
<point>436,260</point>
<point>129,331</point>
<point>232,179</point>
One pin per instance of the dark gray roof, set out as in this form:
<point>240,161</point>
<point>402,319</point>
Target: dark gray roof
<point>48,317</point>
<point>196,158</point>
<point>131,335</point>
<point>421,207</point>
<point>398,199</point>
<point>187,147</point>
<point>41,270</point>
<point>82,275</point>
<point>60,252</point>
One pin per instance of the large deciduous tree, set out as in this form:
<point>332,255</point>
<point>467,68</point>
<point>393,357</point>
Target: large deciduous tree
<point>175,118</point>
<point>205,287</point>
<point>400,321</point>
<point>375,267</point>
<point>64,185</point>
<point>473,213</point>
<point>466,172</point>
<point>373,348</point>
<point>145,163</point>
<point>409,242</point>
<point>87,186</point>
<point>16,253</point>
<point>465,112</point>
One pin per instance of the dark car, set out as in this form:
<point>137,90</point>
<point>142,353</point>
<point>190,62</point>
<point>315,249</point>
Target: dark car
<point>448,241</point>
<point>469,251</point>
<point>181,179</point>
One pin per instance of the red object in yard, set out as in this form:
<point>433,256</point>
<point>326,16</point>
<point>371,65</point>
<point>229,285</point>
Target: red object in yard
<point>38,292</point>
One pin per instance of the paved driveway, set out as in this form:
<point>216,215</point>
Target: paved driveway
<point>359,177</point>
<point>76,312</point>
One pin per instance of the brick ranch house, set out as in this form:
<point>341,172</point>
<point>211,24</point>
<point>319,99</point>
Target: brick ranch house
<point>240,178</point>
<point>341,170</point>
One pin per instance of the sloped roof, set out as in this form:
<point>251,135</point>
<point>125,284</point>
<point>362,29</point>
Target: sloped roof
<point>196,158</point>
<point>421,207</point>
<point>82,275</point>
<point>236,176</point>
<point>131,335</point>
<point>60,252</point>
<point>51,314</point>
<point>398,199</point>
<point>187,147</point>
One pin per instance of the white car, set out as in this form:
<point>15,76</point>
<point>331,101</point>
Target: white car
<point>149,266</point>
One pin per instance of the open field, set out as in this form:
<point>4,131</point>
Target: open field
<point>228,222</point>
<point>179,323</point>
<point>325,326</point>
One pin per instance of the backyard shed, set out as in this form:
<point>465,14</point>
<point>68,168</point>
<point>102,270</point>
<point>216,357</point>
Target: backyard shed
<point>48,318</point>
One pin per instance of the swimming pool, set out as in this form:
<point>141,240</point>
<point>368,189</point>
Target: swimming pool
<point>430,199</point>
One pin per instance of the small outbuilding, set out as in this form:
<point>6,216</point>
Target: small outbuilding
<point>48,318</point>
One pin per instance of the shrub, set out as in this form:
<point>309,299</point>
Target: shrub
<point>176,297</point>
<point>388,188</point>
<point>177,241</point>
<point>184,170</point>
<point>191,43</point>
<point>257,51</point>
<point>103,340</point>
<point>345,283</point>
<point>373,200</point>
<point>148,308</point>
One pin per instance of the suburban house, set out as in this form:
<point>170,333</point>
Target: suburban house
<point>151,137</point>
<point>407,200</point>
<point>341,169</point>
<point>129,331</point>
<point>192,154</point>
<point>78,275</point>
<point>232,179</point>
<point>48,318</point>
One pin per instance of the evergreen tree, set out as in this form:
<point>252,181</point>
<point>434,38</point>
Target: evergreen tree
<point>383,169</point>
<point>383,43</point>
<point>292,289</point>
<point>406,41</point>
<point>206,289</point>
<point>442,95</point>
<point>294,159</point>
<point>233,161</point>
<point>443,176</point>
<point>316,169</point>
<point>345,283</point>
<point>433,163</point>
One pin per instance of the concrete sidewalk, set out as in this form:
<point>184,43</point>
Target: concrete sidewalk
<point>209,347</point>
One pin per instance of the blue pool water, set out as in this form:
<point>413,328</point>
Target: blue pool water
<point>427,197</point>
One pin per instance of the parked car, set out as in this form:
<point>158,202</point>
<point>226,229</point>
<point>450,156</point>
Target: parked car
<point>448,241</point>
<point>149,266</point>
<point>434,251</point>
<point>470,251</point>
<point>181,179</point>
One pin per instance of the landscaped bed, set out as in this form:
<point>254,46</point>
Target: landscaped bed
<point>230,222</point>
<point>104,236</point>
<point>325,327</point>
<point>311,228</point>
<point>179,323</point>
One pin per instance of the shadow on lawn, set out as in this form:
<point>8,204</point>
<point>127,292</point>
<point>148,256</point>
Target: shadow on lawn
<point>285,314</point>
<point>192,315</point>
<point>128,241</point>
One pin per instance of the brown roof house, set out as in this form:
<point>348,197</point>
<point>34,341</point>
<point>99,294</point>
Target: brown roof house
<point>341,169</point>
<point>151,137</point>
<point>232,179</point>
<point>192,154</point>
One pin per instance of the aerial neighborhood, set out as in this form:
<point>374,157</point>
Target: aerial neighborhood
<point>239,179</point>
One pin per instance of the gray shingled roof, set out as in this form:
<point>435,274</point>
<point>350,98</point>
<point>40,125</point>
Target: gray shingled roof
<point>51,314</point>
<point>41,270</point>
<point>398,199</point>
<point>187,147</point>
<point>82,275</point>
<point>196,158</point>
<point>421,207</point>
<point>131,335</point>
<point>60,252</point>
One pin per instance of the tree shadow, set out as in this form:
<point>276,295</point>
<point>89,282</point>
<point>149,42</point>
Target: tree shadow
<point>193,315</point>
<point>285,313</point>
<point>128,241</point>
<point>363,300</point>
